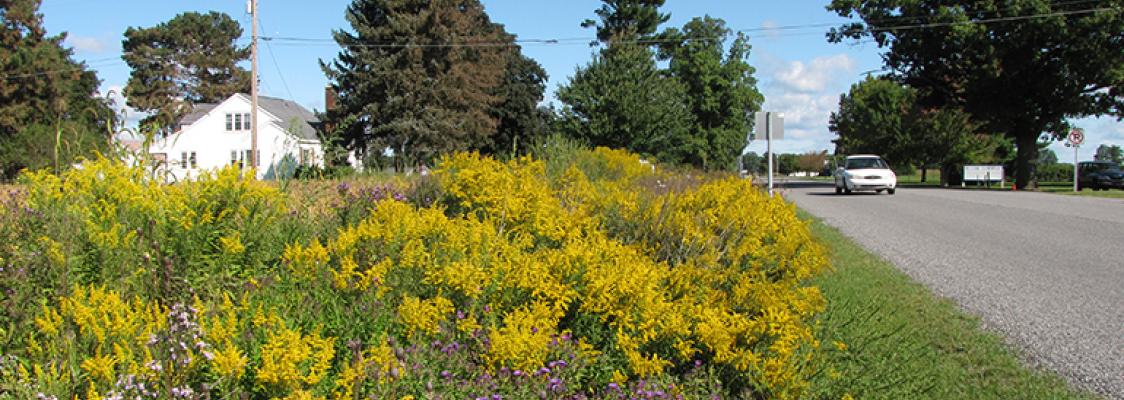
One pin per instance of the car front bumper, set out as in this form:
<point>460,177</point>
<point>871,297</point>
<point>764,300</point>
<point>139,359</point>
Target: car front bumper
<point>1112,184</point>
<point>871,184</point>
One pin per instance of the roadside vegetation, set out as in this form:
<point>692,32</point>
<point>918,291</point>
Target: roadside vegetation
<point>899,341</point>
<point>588,273</point>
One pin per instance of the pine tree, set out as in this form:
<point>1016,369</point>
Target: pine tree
<point>48,110</point>
<point>520,118</point>
<point>627,19</point>
<point>622,100</point>
<point>419,77</point>
<point>189,59</point>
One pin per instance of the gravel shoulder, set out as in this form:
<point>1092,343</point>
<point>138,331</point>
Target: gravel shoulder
<point>1045,271</point>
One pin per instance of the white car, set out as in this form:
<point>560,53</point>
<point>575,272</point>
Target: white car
<point>865,172</point>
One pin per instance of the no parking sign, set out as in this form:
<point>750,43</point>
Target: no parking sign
<point>1076,137</point>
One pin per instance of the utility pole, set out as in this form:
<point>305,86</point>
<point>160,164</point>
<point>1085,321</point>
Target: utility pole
<point>254,84</point>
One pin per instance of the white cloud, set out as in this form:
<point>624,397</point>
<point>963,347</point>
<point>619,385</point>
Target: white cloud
<point>816,75</point>
<point>86,44</point>
<point>807,92</point>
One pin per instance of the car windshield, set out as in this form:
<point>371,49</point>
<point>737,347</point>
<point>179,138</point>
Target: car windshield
<point>1094,167</point>
<point>866,163</point>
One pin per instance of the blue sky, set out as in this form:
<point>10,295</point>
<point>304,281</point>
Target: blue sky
<point>800,73</point>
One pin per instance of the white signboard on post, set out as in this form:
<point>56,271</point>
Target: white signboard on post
<point>983,173</point>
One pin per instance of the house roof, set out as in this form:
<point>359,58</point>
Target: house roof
<point>287,112</point>
<point>291,116</point>
<point>197,112</point>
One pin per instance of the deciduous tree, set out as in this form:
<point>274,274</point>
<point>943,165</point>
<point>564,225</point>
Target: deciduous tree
<point>721,89</point>
<point>1018,67</point>
<point>1107,152</point>
<point>882,116</point>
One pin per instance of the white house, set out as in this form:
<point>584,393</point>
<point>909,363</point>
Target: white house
<point>216,135</point>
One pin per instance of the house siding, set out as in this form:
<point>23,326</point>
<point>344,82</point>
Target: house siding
<point>213,144</point>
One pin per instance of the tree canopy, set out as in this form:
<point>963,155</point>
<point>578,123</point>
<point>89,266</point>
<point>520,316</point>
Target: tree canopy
<point>627,19</point>
<point>1018,67</point>
<point>49,112</point>
<point>189,59</point>
<point>519,116</point>
<point>721,89</point>
<point>693,112</point>
<point>882,116</point>
<point>425,78</point>
<point>622,100</point>
<point>1107,152</point>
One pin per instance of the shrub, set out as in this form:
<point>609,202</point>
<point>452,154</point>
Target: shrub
<point>588,276</point>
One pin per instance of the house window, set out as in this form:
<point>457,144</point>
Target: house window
<point>234,158</point>
<point>229,122</point>
<point>237,122</point>
<point>183,160</point>
<point>246,121</point>
<point>193,164</point>
<point>306,157</point>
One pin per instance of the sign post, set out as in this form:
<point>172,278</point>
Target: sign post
<point>770,124</point>
<point>1076,137</point>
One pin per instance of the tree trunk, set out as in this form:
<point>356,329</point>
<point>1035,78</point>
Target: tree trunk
<point>923,170</point>
<point>1026,141</point>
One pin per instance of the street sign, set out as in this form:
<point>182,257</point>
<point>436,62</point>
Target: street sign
<point>760,124</point>
<point>776,126</point>
<point>1076,137</point>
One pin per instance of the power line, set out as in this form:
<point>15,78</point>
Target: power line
<point>277,66</point>
<point>1001,19</point>
<point>298,41</point>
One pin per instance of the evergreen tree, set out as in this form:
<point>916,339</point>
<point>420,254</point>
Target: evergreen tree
<point>419,77</point>
<point>48,110</point>
<point>189,59</point>
<point>520,118</point>
<point>622,100</point>
<point>721,89</point>
<point>627,19</point>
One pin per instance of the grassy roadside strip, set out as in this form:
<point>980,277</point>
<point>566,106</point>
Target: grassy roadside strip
<point>901,342</point>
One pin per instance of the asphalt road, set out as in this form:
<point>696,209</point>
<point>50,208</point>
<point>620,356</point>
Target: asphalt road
<point>1044,270</point>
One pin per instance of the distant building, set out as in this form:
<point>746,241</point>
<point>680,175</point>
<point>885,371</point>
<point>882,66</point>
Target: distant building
<point>216,135</point>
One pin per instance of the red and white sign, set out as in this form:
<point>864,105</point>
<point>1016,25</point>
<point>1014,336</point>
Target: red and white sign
<point>1076,137</point>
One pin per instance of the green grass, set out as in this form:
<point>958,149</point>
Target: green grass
<point>905,343</point>
<point>932,178</point>
<point>1067,188</point>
